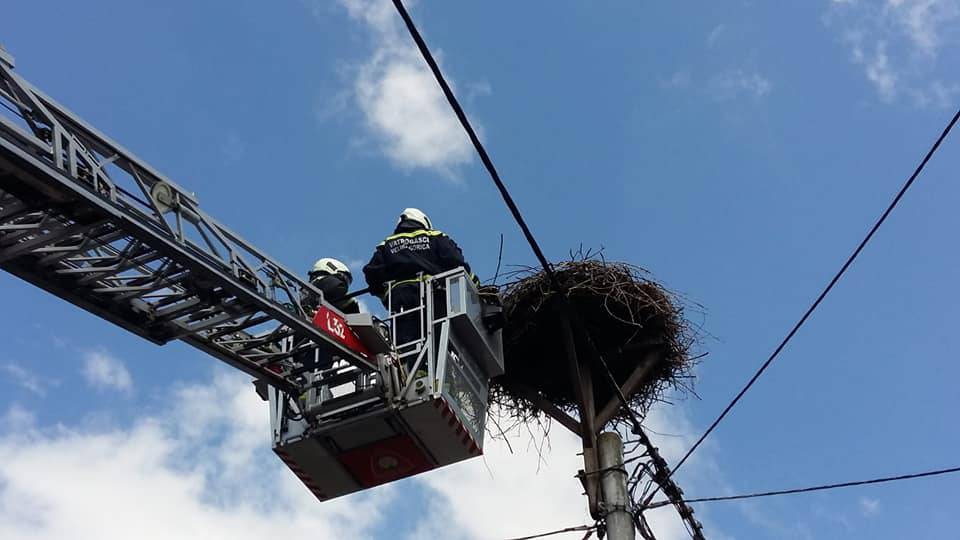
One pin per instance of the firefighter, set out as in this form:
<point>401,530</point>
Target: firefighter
<point>414,251</point>
<point>333,279</point>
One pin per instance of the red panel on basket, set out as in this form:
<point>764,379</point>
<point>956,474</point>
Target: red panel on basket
<point>385,461</point>
<point>336,327</point>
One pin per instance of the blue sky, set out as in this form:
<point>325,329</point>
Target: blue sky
<point>738,151</point>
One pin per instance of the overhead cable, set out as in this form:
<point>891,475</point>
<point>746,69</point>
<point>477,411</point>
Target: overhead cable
<point>578,528</point>
<point>813,488</point>
<point>823,294</point>
<point>481,151</point>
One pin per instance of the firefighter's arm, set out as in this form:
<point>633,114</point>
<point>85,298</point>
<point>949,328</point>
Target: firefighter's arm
<point>309,301</point>
<point>450,254</point>
<point>373,272</point>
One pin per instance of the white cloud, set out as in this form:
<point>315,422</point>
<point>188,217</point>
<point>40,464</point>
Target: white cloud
<point>738,82</point>
<point>715,34</point>
<point>512,494</point>
<point>27,380</point>
<point>517,494</point>
<point>923,21</point>
<point>879,72</point>
<point>897,43</point>
<point>103,371</point>
<point>936,94</point>
<point>728,85</point>
<point>202,470</point>
<point>477,89</point>
<point>869,506</point>
<point>16,419</point>
<point>679,80</point>
<point>400,100</point>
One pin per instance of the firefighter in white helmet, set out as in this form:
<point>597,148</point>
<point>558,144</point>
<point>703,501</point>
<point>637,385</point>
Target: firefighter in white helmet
<point>414,250</point>
<point>333,279</point>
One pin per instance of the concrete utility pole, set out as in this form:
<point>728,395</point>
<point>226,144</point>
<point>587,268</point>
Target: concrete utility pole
<point>613,486</point>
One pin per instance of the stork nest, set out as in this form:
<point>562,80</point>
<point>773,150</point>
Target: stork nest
<point>626,317</point>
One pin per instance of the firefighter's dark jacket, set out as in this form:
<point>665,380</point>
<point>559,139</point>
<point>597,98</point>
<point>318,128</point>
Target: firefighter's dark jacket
<point>408,252</point>
<point>334,289</point>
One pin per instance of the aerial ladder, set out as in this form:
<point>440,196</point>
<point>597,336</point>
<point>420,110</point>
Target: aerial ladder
<point>86,220</point>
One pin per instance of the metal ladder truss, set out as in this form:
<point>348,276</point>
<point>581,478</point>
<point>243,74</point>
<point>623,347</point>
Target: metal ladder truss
<point>86,220</point>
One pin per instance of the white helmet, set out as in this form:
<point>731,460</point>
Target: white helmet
<point>414,214</point>
<point>331,267</point>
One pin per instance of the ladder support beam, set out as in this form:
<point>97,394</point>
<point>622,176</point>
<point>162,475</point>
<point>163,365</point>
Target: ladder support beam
<point>86,220</point>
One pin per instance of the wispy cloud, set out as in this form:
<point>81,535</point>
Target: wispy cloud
<point>876,64</point>
<point>897,44</point>
<point>735,83</point>
<point>869,507</point>
<point>739,83</point>
<point>103,371</point>
<point>28,380</point>
<point>678,80</point>
<point>936,94</point>
<point>402,106</point>
<point>17,419</point>
<point>715,34</point>
<point>924,22</point>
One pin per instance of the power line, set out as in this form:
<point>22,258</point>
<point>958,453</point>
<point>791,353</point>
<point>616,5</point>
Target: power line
<point>485,158</point>
<point>491,169</point>
<point>465,122</point>
<point>813,488</point>
<point>823,294</point>
<point>495,176</point>
<point>578,528</point>
<point>515,211</point>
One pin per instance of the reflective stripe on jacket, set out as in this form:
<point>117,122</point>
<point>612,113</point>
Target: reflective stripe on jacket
<point>408,253</point>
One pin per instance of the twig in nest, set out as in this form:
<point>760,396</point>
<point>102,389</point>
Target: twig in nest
<point>629,317</point>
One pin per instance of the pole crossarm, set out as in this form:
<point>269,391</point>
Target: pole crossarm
<point>583,361</point>
<point>635,381</point>
<point>86,220</point>
<point>660,472</point>
<point>548,407</point>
